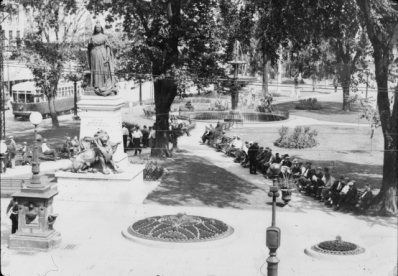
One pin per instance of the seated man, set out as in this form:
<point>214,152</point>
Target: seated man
<point>305,177</point>
<point>205,134</point>
<point>67,148</point>
<point>241,153</point>
<point>309,188</point>
<point>335,191</point>
<point>221,141</point>
<point>234,146</point>
<point>286,166</point>
<point>268,160</point>
<point>324,195</point>
<point>351,197</point>
<point>344,196</point>
<point>366,199</point>
<point>296,170</point>
<point>47,151</point>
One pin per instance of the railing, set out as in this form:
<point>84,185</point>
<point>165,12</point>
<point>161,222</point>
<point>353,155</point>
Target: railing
<point>247,116</point>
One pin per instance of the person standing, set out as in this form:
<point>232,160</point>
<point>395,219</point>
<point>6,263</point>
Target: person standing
<point>336,80</point>
<point>313,77</point>
<point>13,207</point>
<point>145,137</point>
<point>25,152</point>
<point>152,136</point>
<point>12,151</point>
<point>252,153</point>
<point>137,138</point>
<point>125,136</point>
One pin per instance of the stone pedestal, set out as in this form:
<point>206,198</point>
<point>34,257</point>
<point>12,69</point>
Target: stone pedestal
<point>103,113</point>
<point>35,220</point>
<point>127,187</point>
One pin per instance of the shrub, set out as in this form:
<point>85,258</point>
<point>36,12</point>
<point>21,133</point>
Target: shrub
<point>300,138</point>
<point>309,104</point>
<point>152,170</point>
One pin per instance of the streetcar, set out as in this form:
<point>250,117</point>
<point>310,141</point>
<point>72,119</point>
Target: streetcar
<point>26,98</point>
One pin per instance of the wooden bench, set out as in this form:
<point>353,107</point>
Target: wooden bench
<point>12,185</point>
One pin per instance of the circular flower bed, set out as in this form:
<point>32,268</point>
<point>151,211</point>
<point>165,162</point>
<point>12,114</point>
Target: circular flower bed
<point>180,228</point>
<point>338,247</point>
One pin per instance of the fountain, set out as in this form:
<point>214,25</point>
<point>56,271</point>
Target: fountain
<point>247,108</point>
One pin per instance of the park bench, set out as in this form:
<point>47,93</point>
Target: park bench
<point>12,185</point>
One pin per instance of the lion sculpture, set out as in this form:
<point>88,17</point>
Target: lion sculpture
<point>96,155</point>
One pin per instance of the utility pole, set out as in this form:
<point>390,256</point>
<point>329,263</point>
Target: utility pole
<point>2,92</point>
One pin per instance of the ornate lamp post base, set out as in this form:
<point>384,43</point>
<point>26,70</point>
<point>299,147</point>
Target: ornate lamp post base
<point>35,220</point>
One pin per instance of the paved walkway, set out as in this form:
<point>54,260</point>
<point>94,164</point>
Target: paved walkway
<point>100,249</point>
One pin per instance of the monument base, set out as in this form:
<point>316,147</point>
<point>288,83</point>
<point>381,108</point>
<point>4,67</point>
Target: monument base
<point>21,241</point>
<point>104,113</point>
<point>127,187</point>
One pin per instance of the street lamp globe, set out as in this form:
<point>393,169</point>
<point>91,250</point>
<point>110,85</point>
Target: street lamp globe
<point>35,118</point>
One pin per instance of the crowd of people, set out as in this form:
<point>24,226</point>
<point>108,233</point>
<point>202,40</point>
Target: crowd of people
<point>340,194</point>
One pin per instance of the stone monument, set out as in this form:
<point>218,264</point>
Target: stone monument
<point>101,172</point>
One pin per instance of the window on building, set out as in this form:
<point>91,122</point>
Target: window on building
<point>18,38</point>
<point>10,38</point>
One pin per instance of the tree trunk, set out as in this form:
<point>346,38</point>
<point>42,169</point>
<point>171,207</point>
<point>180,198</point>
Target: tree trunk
<point>53,111</point>
<point>265,75</point>
<point>386,200</point>
<point>345,78</point>
<point>165,92</point>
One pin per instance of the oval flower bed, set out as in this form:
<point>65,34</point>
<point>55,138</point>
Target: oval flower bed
<point>338,247</point>
<point>180,228</point>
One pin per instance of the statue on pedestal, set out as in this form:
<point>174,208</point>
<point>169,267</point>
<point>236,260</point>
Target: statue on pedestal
<point>96,155</point>
<point>102,64</point>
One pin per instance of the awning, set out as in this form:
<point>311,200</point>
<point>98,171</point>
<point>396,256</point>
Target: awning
<point>16,72</point>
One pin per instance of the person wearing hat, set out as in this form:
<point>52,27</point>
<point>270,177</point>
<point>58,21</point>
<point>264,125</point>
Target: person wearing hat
<point>48,151</point>
<point>12,151</point>
<point>252,154</point>
<point>25,151</point>
<point>365,199</point>
<point>126,133</point>
<point>241,154</point>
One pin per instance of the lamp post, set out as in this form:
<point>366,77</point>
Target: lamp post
<point>36,215</point>
<point>75,79</point>
<point>35,118</point>
<point>273,238</point>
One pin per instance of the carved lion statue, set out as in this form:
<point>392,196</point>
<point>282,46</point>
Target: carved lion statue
<point>96,155</point>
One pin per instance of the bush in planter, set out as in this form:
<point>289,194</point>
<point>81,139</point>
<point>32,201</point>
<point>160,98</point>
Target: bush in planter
<point>300,138</point>
<point>309,104</point>
<point>152,170</point>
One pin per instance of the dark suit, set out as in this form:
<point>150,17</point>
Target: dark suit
<point>252,154</point>
<point>365,200</point>
<point>14,216</point>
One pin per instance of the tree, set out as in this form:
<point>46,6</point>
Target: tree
<point>172,35</point>
<point>381,23</point>
<point>48,45</point>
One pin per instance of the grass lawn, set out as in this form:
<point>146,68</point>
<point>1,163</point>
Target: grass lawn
<point>348,150</point>
<point>194,181</point>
